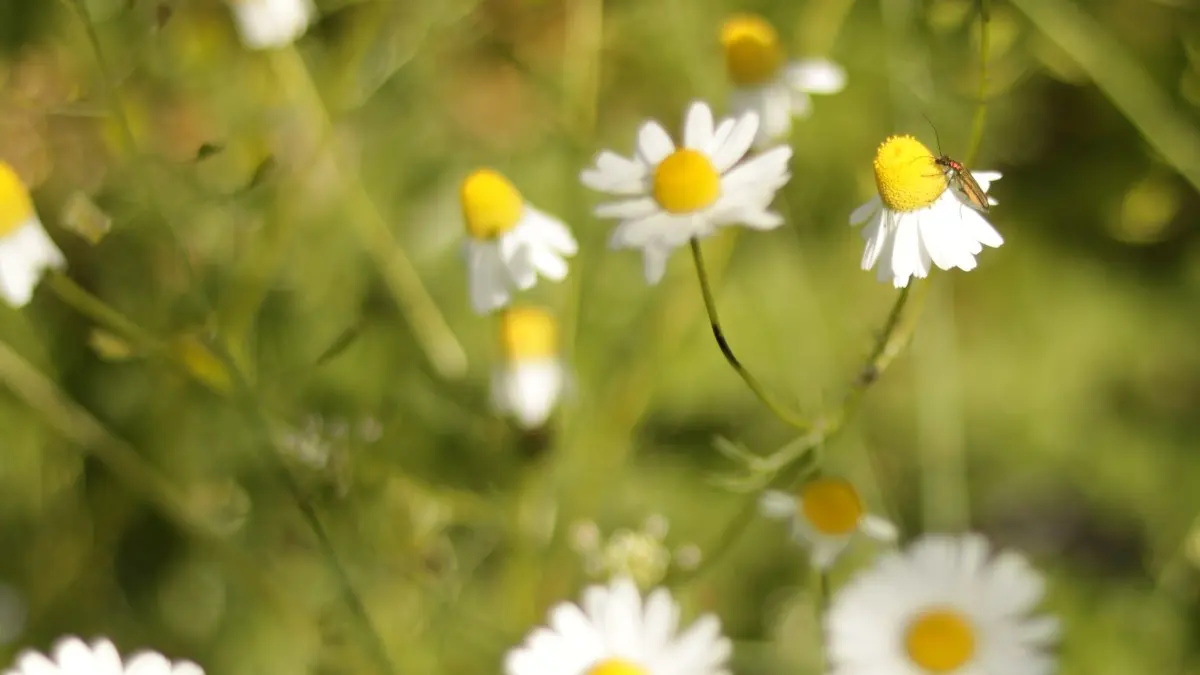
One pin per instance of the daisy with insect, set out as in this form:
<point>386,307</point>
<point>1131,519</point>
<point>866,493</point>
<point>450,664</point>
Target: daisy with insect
<point>671,195</point>
<point>929,211</point>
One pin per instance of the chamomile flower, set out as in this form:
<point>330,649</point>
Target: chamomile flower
<point>824,516</point>
<point>674,194</point>
<point>529,382</point>
<point>944,606</point>
<point>766,82</point>
<point>26,251</point>
<point>919,218</point>
<point>615,633</point>
<point>509,241</point>
<point>271,24</point>
<point>71,656</point>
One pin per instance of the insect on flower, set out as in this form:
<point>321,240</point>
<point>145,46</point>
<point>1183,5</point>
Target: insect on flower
<point>963,182</point>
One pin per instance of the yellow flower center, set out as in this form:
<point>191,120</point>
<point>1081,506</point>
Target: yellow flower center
<point>527,333</point>
<point>491,205</point>
<point>831,506</point>
<point>906,175</point>
<point>686,181</point>
<point>616,667</point>
<point>752,51</point>
<point>940,640</point>
<point>15,206</point>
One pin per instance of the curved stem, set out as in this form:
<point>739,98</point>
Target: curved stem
<point>752,382</point>
<point>977,123</point>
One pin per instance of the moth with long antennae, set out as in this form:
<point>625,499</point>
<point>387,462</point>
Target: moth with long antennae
<point>960,177</point>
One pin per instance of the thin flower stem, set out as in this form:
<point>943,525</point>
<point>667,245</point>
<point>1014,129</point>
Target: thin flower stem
<point>752,382</point>
<point>821,607</point>
<point>895,336</point>
<point>980,119</point>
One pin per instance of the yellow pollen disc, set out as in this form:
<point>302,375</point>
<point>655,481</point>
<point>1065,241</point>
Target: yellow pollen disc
<point>752,52</point>
<point>831,506</point>
<point>940,640</point>
<point>906,175</point>
<point>686,181</point>
<point>527,333</point>
<point>15,206</point>
<point>616,667</point>
<point>491,205</point>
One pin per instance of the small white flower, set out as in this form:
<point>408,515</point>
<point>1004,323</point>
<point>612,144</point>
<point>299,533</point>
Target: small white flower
<point>944,606</point>
<point>270,24</point>
<point>26,251</point>
<point>615,633</point>
<point>766,83</point>
<point>71,656</point>
<point>530,381</point>
<point>673,195</point>
<point>824,516</point>
<point>509,241</point>
<point>921,217</point>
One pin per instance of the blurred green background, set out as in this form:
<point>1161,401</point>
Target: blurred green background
<point>1049,398</point>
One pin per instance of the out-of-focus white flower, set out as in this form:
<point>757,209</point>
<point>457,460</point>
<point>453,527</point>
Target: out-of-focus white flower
<point>26,251</point>
<point>765,82</point>
<point>72,656</point>
<point>509,241</point>
<point>641,555</point>
<point>944,606</point>
<point>921,217</point>
<point>672,195</point>
<point>271,24</point>
<point>824,516</point>
<point>613,632</point>
<point>530,380</point>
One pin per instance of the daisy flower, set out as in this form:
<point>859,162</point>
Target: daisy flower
<point>672,195</point>
<point>26,251</point>
<point>71,656</point>
<point>945,606</point>
<point>528,384</point>
<point>920,217</point>
<point>509,241</point>
<point>824,516</point>
<point>615,633</point>
<point>766,82</point>
<point>271,24</point>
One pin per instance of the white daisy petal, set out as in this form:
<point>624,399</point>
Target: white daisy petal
<point>550,231</point>
<point>630,208</point>
<point>25,255</point>
<point>654,144</point>
<point>617,626</point>
<point>654,264</point>
<point>906,249</point>
<point>71,656</point>
<point>817,76</point>
<point>737,144</point>
<point>878,528</point>
<point>862,213</point>
<point>698,126</point>
<point>720,136</point>
<point>876,237</point>
<point>776,504</point>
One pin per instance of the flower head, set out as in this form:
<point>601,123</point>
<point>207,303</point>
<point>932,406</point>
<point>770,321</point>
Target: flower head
<point>26,251</point>
<point>765,82</point>
<point>674,194</point>
<point>825,514</point>
<point>509,242</point>
<point>71,656</point>
<point>529,382</point>
<point>921,216</point>
<point>944,606</point>
<point>615,633</point>
<point>271,24</point>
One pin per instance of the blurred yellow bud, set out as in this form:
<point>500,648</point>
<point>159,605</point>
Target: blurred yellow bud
<point>528,333</point>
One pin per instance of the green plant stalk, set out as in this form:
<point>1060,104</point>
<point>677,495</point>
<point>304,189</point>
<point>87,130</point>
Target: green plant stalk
<point>429,326</point>
<point>980,119</point>
<point>710,306</point>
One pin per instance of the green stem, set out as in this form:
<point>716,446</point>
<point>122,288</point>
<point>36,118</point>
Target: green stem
<point>752,382</point>
<point>821,606</point>
<point>980,119</point>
